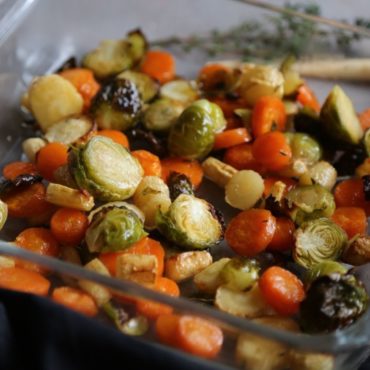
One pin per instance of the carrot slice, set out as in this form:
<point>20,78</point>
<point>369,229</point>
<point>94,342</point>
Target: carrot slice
<point>241,157</point>
<point>282,290</point>
<point>25,281</point>
<point>352,220</point>
<point>283,238</point>
<point>51,157</point>
<point>229,138</point>
<point>308,98</point>
<point>228,106</point>
<point>192,169</point>
<point>350,193</point>
<point>213,76</point>
<point>159,65</point>
<point>117,136</point>
<point>76,300</point>
<point>151,163</point>
<point>69,226</point>
<point>165,328</point>
<point>14,169</point>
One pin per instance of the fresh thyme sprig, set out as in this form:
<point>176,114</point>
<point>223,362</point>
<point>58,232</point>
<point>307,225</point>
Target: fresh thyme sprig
<point>273,37</point>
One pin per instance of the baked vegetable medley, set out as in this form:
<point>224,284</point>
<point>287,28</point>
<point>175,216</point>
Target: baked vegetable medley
<point>113,177</point>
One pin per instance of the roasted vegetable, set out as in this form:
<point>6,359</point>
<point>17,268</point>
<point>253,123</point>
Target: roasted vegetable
<point>179,183</point>
<point>218,172</point>
<point>240,273</point>
<point>324,174</point>
<point>318,240</point>
<point>113,56</point>
<point>113,229</point>
<point>358,251</point>
<point>52,98</point>
<point>185,265</point>
<point>302,360</point>
<point>366,141</point>
<point>105,169</point>
<point>308,121</point>
<point>190,223</point>
<point>249,304</point>
<point>210,279</point>
<point>324,268</point>
<point>69,130</point>
<point>162,115</point>
<point>147,87</point>
<point>244,189</point>
<point>3,213</point>
<point>332,302</point>
<point>214,111</point>
<point>31,146</point>
<point>258,80</point>
<point>292,79</point>
<point>310,202</point>
<point>181,91</point>
<point>152,195</point>
<point>117,105</point>
<point>340,119</point>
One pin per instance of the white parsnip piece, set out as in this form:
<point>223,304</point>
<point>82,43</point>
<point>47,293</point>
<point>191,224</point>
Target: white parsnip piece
<point>217,171</point>
<point>64,196</point>
<point>185,265</point>
<point>31,146</point>
<point>6,262</point>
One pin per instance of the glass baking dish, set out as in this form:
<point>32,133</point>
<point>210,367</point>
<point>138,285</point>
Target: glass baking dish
<point>32,42</point>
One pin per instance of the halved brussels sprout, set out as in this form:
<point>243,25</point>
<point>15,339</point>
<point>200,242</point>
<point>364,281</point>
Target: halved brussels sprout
<point>179,183</point>
<point>310,202</point>
<point>324,174</point>
<point>332,302</point>
<point>358,252</point>
<point>240,273</point>
<point>113,56</point>
<point>106,169</point>
<point>117,105</point>
<point>162,115</point>
<point>193,135</point>
<point>324,268</point>
<point>147,87</point>
<point>181,91</point>
<point>3,213</point>
<point>317,241</point>
<point>214,111</point>
<point>113,229</point>
<point>304,147</point>
<point>190,223</point>
<point>292,79</point>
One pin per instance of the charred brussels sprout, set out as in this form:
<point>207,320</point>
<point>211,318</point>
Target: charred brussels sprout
<point>215,112</point>
<point>179,183</point>
<point>310,202</point>
<point>304,147</point>
<point>240,273</point>
<point>324,268</point>
<point>332,302</point>
<point>193,135</point>
<point>105,169</point>
<point>117,105</point>
<point>113,229</point>
<point>318,240</point>
<point>191,223</point>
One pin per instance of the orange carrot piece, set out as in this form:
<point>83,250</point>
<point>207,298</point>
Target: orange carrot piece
<point>192,169</point>
<point>213,76</point>
<point>250,232</point>
<point>51,157</point>
<point>83,80</point>
<point>230,138</point>
<point>76,300</point>
<point>165,328</point>
<point>272,151</point>
<point>364,118</point>
<point>241,157</point>
<point>352,220</point>
<point>228,106</point>
<point>268,115</point>
<point>308,98</point>
<point>283,239</point>
<point>282,290</point>
<point>150,163</point>
<point>159,65</point>
<point>350,193</point>
<point>15,169</point>
<point>117,136</point>
<point>69,226</point>
<point>25,281</point>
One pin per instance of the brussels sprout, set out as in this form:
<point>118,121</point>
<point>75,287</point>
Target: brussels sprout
<point>292,79</point>
<point>214,111</point>
<point>318,240</point>
<point>240,273</point>
<point>332,302</point>
<point>113,229</point>
<point>193,134</point>
<point>147,87</point>
<point>181,91</point>
<point>178,183</point>
<point>324,174</point>
<point>324,268</point>
<point>304,147</point>
<point>117,105</point>
<point>113,56</point>
<point>258,80</point>
<point>3,213</point>
<point>310,202</point>
<point>105,169</point>
<point>339,118</point>
<point>191,223</point>
<point>162,115</point>
<point>358,252</point>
